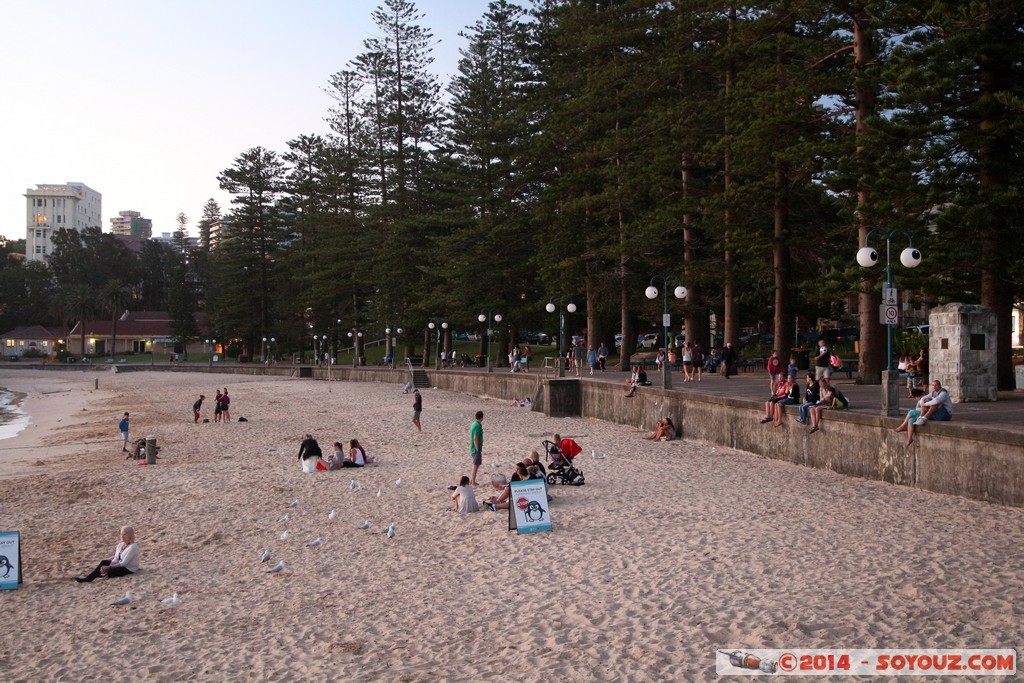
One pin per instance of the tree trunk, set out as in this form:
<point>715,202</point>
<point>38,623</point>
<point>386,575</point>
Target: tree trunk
<point>872,351</point>
<point>780,256</point>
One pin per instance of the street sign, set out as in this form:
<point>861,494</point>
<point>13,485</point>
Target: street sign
<point>666,320</point>
<point>888,315</point>
<point>889,296</point>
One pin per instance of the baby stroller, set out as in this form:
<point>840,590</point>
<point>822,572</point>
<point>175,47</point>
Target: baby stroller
<point>138,450</point>
<point>562,469</point>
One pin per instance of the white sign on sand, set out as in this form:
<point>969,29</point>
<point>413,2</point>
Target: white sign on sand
<point>10,560</point>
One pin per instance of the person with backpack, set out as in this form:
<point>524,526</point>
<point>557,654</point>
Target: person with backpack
<point>831,399</point>
<point>697,353</point>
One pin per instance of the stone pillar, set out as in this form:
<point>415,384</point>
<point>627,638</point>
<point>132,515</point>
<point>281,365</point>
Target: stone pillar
<point>890,393</point>
<point>962,351</point>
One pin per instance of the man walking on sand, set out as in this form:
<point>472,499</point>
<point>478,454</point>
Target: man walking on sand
<point>197,407</point>
<point>417,407</point>
<point>476,445</point>
<point>123,426</point>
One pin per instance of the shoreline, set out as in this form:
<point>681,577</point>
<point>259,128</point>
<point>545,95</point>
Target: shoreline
<point>671,551</point>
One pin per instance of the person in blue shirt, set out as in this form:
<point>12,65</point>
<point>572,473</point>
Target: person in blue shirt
<point>123,427</point>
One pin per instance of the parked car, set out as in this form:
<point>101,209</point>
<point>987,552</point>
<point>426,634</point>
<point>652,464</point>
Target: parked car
<point>680,340</point>
<point>618,341</point>
<point>474,336</point>
<point>919,329</point>
<point>460,336</point>
<point>537,338</point>
<point>650,341</point>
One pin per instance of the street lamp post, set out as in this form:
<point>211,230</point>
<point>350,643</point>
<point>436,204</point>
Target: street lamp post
<point>356,336</point>
<point>563,348</point>
<point>316,349</point>
<point>910,257</point>
<point>389,346</point>
<point>437,349</point>
<point>487,316</point>
<point>666,321</point>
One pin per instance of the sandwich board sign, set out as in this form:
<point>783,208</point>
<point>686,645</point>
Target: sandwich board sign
<point>10,560</point>
<point>528,506</point>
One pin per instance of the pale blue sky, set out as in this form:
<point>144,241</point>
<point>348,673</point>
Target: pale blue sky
<point>146,102</point>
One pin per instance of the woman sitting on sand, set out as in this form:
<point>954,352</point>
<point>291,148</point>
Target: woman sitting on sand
<point>356,455</point>
<point>666,430</point>
<point>464,498</point>
<point>311,456</point>
<point>124,562</point>
<point>336,460</point>
<point>493,503</point>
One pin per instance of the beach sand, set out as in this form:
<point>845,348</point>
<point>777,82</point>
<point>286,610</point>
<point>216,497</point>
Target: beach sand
<point>668,553</point>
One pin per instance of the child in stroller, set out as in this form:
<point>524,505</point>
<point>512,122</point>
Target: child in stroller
<point>561,452</point>
<point>138,451</point>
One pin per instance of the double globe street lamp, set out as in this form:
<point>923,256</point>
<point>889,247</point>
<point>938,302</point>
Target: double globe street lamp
<point>487,316</point>
<point>437,351</point>
<point>563,348</point>
<point>910,257</point>
<point>389,346</point>
<point>666,320</point>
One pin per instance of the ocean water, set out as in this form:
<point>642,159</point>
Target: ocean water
<point>12,418</point>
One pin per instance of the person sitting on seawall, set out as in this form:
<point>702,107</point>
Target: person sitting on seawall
<point>311,456</point>
<point>812,394</point>
<point>912,415</point>
<point>124,562</point>
<point>792,397</point>
<point>665,430</point>
<point>936,406</point>
<point>464,498</point>
<point>831,399</point>
<point>356,455</point>
<point>779,392</point>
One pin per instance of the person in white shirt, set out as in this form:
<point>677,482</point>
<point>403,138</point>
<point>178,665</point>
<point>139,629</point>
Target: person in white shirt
<point>356,455</point>
<point>936,406</point>
<point>464,498</point>
<point>124,562</point>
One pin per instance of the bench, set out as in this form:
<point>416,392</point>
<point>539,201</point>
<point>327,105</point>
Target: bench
<point>849,366</point>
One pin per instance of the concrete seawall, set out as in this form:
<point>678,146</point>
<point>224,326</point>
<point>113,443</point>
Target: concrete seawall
<point>952,458</point>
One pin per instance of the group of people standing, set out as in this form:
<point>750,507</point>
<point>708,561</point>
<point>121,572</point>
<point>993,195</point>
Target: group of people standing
<point>221,407</point>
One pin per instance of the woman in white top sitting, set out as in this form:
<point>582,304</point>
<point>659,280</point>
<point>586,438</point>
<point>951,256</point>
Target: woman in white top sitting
<point>124,562</point>
<point>356,455</point>
<point>464,498</point>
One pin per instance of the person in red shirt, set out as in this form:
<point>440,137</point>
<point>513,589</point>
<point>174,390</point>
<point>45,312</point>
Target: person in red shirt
<point>774,370</point>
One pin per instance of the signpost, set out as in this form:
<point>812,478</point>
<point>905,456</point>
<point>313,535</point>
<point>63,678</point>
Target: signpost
<point>10,560</point>
<point>528,506</point>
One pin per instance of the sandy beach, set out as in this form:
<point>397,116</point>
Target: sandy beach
<point>668,553</point>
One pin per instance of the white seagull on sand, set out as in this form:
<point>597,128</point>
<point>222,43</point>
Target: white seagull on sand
<point>315,543</point>
<point>172,601</point>
<point>277,568</point>
<point>128,597</point>
<point>265,557</point>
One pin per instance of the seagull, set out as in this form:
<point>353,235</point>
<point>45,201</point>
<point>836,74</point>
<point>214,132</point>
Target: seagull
<point>125,600</point>
<point>398,481</point>
<point>391,530</point>
<point>315,543</point>
<point>378,493</point>
<point>353,486</point>
<point>283,520</point>
<point>172,601</point>
<point>600,456</point>
<point>294,503</point>
<point>365,525</point>
<point>286,535</point>
<point>265,557</point>
<point>332,514</point>
<point>278,568</point>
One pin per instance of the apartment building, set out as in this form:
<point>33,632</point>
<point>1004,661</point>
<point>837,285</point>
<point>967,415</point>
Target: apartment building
<point>74,206</point>
<point>131,223</point>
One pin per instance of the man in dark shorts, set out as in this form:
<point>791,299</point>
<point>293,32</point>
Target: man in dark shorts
<point>476,445</point>
<point>218,407</point>
<point>197,407</point>
<point>417,408</point>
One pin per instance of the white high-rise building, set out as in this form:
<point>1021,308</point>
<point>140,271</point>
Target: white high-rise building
<point>131,223</point>
<point>74,206</point>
